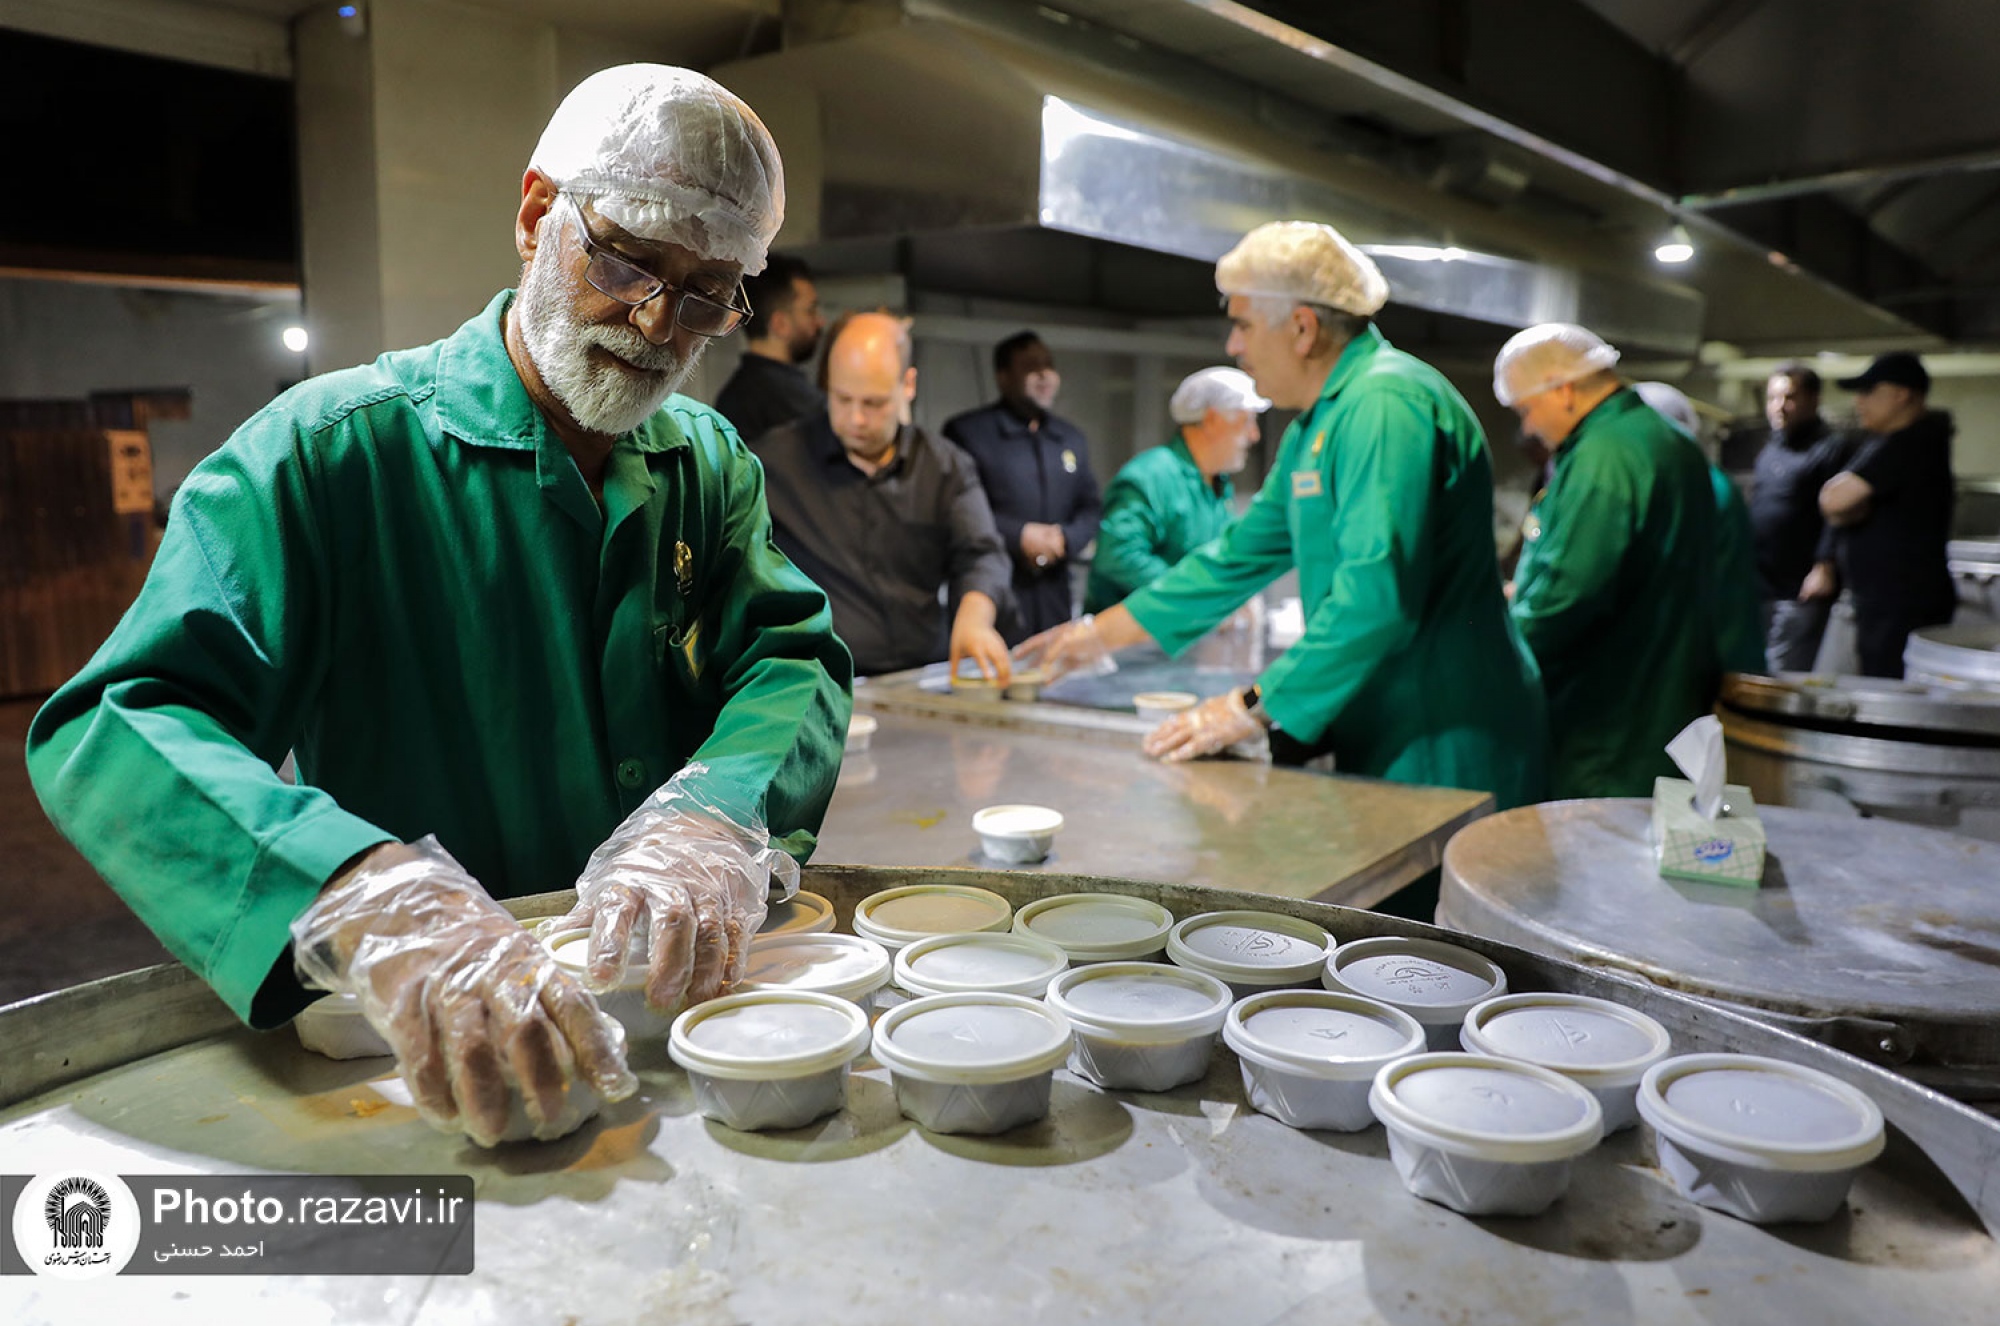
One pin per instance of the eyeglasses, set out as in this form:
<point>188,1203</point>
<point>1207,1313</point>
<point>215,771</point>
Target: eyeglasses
<point>628,283</point>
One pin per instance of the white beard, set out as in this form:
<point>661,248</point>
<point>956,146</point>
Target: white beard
<point>604,399</point>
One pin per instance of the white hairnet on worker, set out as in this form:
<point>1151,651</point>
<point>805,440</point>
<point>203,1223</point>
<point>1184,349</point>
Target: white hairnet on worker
<point>1225,389</point>
<point>1547,356</point>
<point>1306,262</point>
<point>672,156</point>
<point>1671,402</point>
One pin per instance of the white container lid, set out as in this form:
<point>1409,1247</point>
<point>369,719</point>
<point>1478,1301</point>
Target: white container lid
<point>1596,1042</point>
<point>972,1039</point>
<point>1438,982</point>
<point>1097,927</point>
<point>895,917</point>
<point>1489,1109</point>
<point>570,949</point>
<point>1016,821</point>
<point>845,966</point>
<point>1321,1033</point>
<point>1003,963</point>
<point>802,914</point>
<point>1761,1112</point>
<point>1141,1001</point>
<point>1165,700</point>
<point>768,1035</point>
<point>1252,948</point>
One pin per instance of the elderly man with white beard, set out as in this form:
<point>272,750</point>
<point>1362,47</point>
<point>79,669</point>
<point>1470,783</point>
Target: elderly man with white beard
<point>515,607</point>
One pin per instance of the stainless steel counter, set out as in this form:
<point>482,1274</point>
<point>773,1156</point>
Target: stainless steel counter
<point>1236,824</point>
<point>1180,1207</point>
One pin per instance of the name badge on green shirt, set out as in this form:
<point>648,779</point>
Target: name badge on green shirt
<point>1305,483</point>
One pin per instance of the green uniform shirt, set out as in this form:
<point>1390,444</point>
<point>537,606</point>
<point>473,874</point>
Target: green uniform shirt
<point>1739,613</point>
<point>1382,497</point>
<point>1615,594</point>
<point>1159,509</point>
<point>398,572</point>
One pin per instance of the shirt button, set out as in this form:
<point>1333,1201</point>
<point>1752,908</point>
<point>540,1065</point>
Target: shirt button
<point>632,774</point>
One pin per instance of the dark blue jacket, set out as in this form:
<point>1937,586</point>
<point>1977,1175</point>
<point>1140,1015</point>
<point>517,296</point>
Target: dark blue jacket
<point>1033,472</point>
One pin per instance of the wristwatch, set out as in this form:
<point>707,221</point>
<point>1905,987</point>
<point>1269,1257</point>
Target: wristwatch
<point>1253,700</point>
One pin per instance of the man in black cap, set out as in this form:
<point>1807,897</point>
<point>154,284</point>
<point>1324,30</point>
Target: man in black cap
<point>1889,514</point>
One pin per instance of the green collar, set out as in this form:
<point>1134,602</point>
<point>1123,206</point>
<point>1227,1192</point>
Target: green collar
<point>481,401</point>
<point>1619,403</point>
<point>1354,357</point>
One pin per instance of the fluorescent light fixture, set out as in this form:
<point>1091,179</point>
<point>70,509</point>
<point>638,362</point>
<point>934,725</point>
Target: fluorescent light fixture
<point>1676,248</point>
<point>1416,252</point>
<point>295,339</point>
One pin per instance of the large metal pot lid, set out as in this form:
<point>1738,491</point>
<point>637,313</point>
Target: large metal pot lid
<point>1824,699</point>
<point>1856,917</point>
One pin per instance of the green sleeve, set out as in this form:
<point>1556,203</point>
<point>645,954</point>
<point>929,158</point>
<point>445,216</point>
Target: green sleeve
<point>1383,468</point>
<point>1217,578</point>
<point>787,681</point>
<point>159,760</point>
<point>1128,539</point>
<point>1567,582</point>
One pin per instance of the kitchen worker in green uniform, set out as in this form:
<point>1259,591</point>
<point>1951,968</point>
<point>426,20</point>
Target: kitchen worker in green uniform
<point>1169,500</point>
<point>1615,591</point>
<point>1739,614</point>
<point>515,606</point>
<point>1382,497</point>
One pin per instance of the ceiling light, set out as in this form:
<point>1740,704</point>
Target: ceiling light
<point>1677,247</point>
<point>295,339</point>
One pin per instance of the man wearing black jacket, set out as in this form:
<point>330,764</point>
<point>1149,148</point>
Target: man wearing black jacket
<point>1802,454</point>
<point>1889,514</point>
<point>1035,467</point>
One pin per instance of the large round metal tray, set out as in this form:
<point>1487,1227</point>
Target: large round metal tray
<point>1838,704</point>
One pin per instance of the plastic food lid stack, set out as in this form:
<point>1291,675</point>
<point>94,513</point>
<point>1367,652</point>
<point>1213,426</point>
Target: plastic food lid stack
<point>972,1039</point>
<point>1762,1112</point>
<point>1141,1001</point>
<point>1488,1109</point>
<point>768,1034</point>
<point>1004,963</point>
<point>1097,927</point>
<point>1252,948</point>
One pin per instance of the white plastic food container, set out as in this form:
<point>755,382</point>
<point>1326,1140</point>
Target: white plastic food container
<point>972,1063</point>
<point>802,914</point>
<point>1026,684</point>
<point>1435,983</point>
<point>1484,1136</point>
<point>1140,1026</point>
<point>1761,1139</point>
<point>335,1027</point>
<point>844,966</point>
<point>959,964</point>
<point>1017,835</point>
<point>1310,1056</point>
<point>1251,952</point>
<point>769,1058</point>
<point>1603,1047</point>
<point>861,733</point>
<point>1098,927</point>
<point>1156,706</point>
<point>895,917</point>
<point>625,1001</point>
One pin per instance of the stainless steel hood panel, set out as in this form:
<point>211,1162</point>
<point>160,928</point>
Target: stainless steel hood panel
<point>926,127</point>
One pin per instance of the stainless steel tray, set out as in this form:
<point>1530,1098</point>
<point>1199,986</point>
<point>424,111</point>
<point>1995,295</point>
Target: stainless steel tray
<point>1178,1207</point>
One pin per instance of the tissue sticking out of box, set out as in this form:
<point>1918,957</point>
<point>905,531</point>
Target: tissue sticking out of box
<point>1698,752</point>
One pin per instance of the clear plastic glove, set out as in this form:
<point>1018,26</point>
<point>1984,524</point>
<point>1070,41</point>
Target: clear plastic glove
<point>474,1006</point>
<point>1076,646</point>
<point>691,878</point>
<point>1214,725</point>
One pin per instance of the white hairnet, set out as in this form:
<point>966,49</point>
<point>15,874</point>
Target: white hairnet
<point>1303,261</point>
<point>1671,402</point>
<point>1224,389</point>
<point>1547,356</point>
<point>670,155</point>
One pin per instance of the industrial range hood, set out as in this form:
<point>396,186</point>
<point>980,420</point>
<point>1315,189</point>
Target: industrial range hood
<point>928,128</point>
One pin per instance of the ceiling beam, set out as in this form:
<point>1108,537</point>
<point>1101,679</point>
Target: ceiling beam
<point>1981,158</point>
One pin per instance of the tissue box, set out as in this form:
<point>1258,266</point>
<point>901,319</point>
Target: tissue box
<point>1726,850</point>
